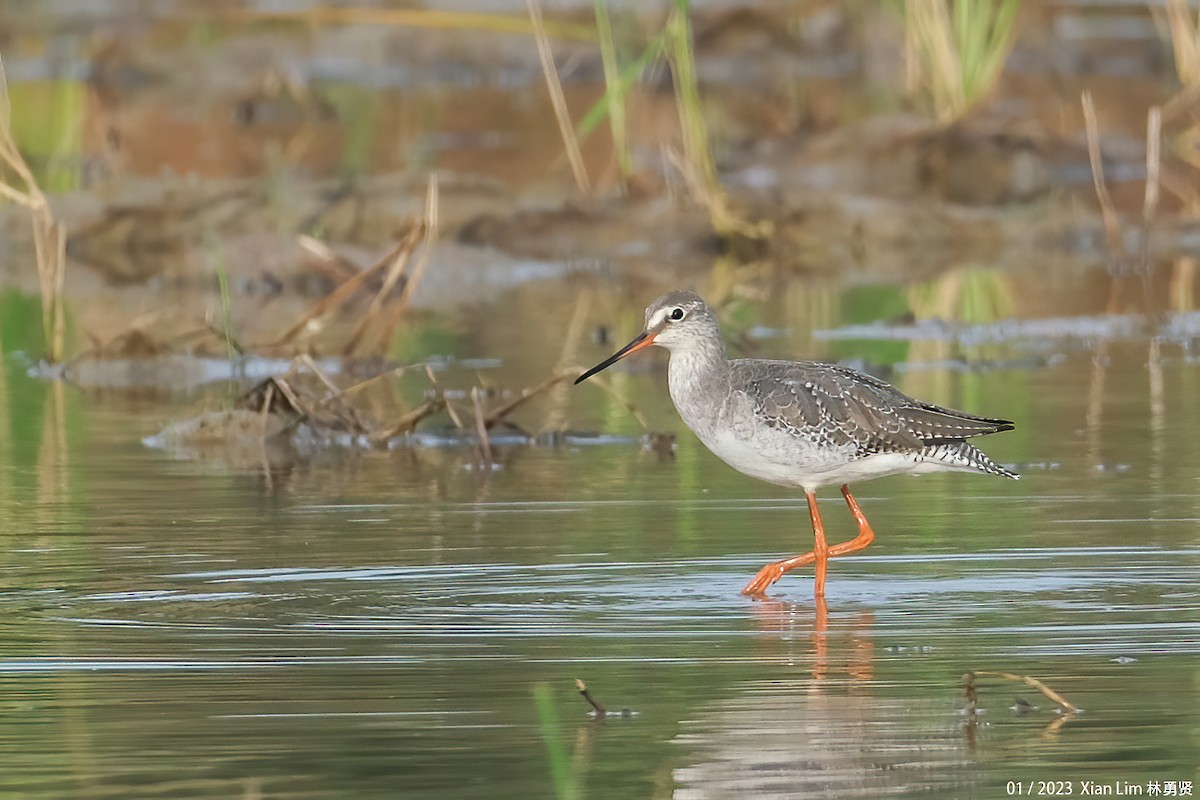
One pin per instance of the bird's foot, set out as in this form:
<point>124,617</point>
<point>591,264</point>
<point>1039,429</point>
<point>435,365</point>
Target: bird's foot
<point>765,577</point>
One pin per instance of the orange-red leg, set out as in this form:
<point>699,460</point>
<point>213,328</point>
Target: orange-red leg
<point>821,552</point>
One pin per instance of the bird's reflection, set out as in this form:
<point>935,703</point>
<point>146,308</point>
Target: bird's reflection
<point>830,733</point>
<point>850,638</point>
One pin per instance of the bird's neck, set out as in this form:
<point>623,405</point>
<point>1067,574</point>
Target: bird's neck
<point>699,381</point>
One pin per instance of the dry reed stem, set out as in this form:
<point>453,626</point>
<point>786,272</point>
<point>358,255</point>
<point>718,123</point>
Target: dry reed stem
<point>304,404</point>
<point>957,50</point>
<point>481,428</point>
<point>307,361</point>
<point>1112,224</point>
<point>1153,171</point>
<point>396,266</point>
<point>437,387</point>
<point>431,233</point>
<point>285,388</point>
<point>616,98</point>
<point>421,236</point>
<point>557,99</point>
<point>1182,104</point>
<point>711,196</point>
<point>58,268</point>
<point>408,423</point>
<point>49,236</point>
<point>265,412</point>
<point>1185,41</point>
<point>696,163</point>
<point>574,330</point>
<point>912,65</point>
<point>336,266</point>
<point>1183,190</point>
<point>556,418</point>
<point>337,297</point>
<point>394,372</point>
<point>223,336</point>
<point>1050,694</point>
<point>929,22</point>
<point>1181,286</point>
<point>526,395</point>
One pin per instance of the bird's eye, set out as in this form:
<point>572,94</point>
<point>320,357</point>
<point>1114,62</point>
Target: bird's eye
<point>677,314</point>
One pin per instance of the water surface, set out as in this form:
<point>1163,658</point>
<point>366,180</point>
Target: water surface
<point>377,623</point>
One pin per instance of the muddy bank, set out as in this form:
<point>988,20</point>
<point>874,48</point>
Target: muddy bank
<point>387,187</point>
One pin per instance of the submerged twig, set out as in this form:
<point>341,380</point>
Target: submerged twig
<point>1053,696</point>
<point>583,690</point>
<point>600,711</point>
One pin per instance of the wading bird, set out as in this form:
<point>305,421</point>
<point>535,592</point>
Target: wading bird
<point>802,423</point>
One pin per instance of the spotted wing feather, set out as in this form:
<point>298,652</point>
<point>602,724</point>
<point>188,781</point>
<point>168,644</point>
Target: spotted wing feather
<point>845,407</point>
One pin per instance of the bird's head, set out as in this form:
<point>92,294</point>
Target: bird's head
<point>678,321</point>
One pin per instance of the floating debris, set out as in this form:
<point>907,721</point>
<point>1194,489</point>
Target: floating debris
<point>903,648</point>
<point>1065,710</point>
<point>214,427</point>
<point>1021,707</point>
<point>661,444</point>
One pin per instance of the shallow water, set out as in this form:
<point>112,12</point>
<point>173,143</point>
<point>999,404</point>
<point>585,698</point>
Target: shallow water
<point>378,623</point>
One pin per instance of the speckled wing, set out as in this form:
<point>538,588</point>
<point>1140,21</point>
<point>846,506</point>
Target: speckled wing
<point>840,406</point>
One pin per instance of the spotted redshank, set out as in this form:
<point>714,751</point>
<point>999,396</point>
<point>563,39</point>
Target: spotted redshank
<point>802,423</point>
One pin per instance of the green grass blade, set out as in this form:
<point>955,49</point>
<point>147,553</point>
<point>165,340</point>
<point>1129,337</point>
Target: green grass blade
<point>218,256</point>
<point>612,77</point>
<point>629,76</point>
<point>560,761</point>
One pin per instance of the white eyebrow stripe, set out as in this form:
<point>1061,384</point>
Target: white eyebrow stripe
<point>657,318</point>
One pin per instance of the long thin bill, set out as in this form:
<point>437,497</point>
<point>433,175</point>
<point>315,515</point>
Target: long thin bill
<point>642,340</point>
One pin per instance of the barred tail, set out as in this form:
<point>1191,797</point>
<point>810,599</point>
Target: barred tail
<point>963,454</point>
